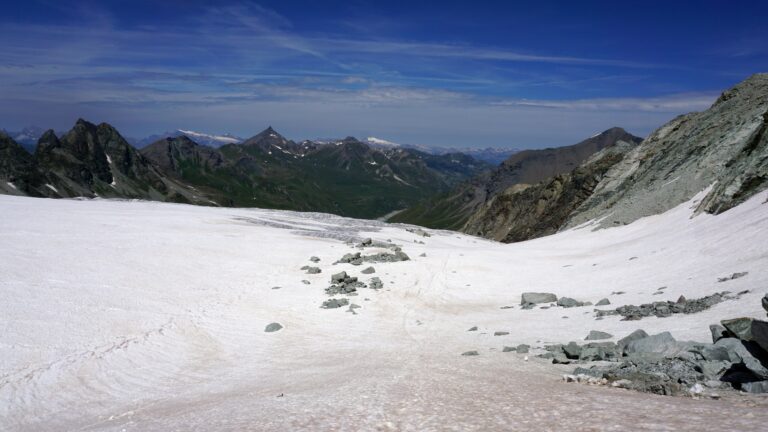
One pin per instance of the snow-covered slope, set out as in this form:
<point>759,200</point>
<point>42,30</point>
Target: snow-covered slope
<point>120,315</point>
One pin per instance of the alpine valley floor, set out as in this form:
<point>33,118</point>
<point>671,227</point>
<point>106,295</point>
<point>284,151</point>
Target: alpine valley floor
<point>141,316</point>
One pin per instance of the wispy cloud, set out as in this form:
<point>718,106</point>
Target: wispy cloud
<point>242,62</point>
<point>669,104</point>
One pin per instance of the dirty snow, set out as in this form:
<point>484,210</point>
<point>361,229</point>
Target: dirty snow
<point>147,316</point>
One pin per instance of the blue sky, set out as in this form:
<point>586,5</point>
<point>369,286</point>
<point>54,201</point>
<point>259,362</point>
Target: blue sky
<point>505,74</point>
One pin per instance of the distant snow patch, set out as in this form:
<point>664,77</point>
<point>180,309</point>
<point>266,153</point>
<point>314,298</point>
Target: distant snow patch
<point>51,188</point>
<point>220,138</point>
<point>381,142</point>
<point>401,180</point>
<point>11,185</point>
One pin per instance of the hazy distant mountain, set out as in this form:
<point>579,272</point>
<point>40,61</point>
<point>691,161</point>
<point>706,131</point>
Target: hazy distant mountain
<point>491,155</point>
<point>27,137</point>
<point>206,139</point>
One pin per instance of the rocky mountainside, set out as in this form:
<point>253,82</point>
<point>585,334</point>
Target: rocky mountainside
<point>15,165</point>
<point>453,209</point>
<point>523,212</point>
<point>345,177</point>
<point>724,147</point>
<point>723,150</point>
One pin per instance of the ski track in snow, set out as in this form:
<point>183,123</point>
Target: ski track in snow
<point>121,315</point>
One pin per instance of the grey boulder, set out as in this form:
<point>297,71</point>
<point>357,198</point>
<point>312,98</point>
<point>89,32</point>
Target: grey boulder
<point>536,298</point>
<point>368,270</point>
<point>663,344</point>
<point>334,303</point>
<point>273,327</point>
<point>470,353</point>
<point>635,335</point>
<point>598,335</point>
<point>749,329</point>
<point>603,302</point>
<point>568,302</point>
<point>523,348</point>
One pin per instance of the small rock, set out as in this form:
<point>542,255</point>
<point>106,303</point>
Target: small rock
<point>500,333</point>
<point>470,353</point>
<point>598,335</point>
<point>732,277</point>
<point>366,242</point>
<point>765,302</point>
<point>603,302</point>
<point>509,349</point>
<point>632,258</point>
<point>523,348</point>
<point>568,302</point>
<point>368,270</point>
<point>275,287</point>
<point>314,259</point>
<point>305,282</point>
<point>339,277</point>
<point>304,267</point>
<point>334,303</point>
<point>313,270</point>
<point>423,254</point>
<point>273,327</point>
<point>618,293</point>
<point>622,383</point>
<point>375,283</point>
<point>696,389</point>
<point>473,328</point>
<point>681,300</point>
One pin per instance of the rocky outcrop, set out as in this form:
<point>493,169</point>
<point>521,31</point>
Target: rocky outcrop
<point>523,212</point>
<point>724,147</point>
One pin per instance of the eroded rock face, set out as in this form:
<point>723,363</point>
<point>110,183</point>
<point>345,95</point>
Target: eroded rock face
<point>726,145</point>
<point>523,212</point>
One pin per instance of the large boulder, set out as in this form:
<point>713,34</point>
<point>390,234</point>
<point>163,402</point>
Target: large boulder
<point>663,344</point>
<point>635,335</point>
<point>568,302</point>
<point>747,355</point>
<point>536,298</point>
<point>749,329</point>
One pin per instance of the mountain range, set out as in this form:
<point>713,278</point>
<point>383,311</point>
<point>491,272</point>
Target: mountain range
<point>347,177</point>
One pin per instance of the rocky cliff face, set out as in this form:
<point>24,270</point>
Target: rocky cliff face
<point>724,147</point>
<point>533,166</point>
<point>523,212</point>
